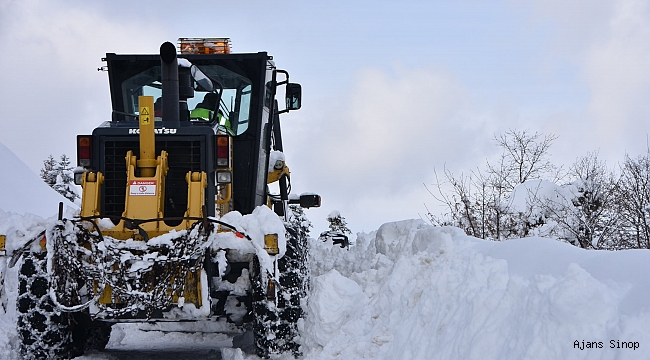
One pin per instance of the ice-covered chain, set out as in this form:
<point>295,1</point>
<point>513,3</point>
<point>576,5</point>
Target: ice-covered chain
<point>109,261</point>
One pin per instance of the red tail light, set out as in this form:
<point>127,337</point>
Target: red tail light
<point>84,150</point>
<point>223,151</point>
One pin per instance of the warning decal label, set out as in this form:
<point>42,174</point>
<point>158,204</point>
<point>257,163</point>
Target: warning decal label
<point>145,115</point>
<point>142,187</point>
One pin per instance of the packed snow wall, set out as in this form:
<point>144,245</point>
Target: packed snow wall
<point>413,291</point>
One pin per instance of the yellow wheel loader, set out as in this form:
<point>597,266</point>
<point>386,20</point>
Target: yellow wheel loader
<point>177,221</point>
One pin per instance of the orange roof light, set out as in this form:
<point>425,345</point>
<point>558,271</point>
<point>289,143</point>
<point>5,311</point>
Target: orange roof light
<point>204,45</point>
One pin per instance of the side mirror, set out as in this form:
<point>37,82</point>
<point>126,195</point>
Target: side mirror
<point>293,96</point>
<point>306,200</point>
<point>203,82</point>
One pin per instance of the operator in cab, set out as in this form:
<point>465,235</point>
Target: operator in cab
<point>205,111</point>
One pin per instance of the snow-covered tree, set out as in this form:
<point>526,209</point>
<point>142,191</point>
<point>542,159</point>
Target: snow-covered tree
<point>48,174</point>
<point>338,223</point>
<point>585,211</point>
<point>523,194</point>
<point>59,175</point>
<point>299,220</point>
<point>338,229</point>
<point>480,203</point>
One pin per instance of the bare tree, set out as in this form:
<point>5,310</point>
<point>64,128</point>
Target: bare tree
<point>499,192</point>
<point>480,203</point>
<point>595,209</point>
<point>524,157</point>
<point>634,201</point>
<point>461,210</point>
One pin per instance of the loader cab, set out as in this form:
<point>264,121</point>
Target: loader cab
<point>144,78</point>
<point>246,90</point>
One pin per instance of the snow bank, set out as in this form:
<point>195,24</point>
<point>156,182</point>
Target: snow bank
<point>339,300</point>
<point>22,191</point>
<point>435,293</point>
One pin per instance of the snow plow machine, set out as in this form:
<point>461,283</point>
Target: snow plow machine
<point>177,222</point>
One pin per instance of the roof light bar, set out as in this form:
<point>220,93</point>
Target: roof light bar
<point>204,45</point>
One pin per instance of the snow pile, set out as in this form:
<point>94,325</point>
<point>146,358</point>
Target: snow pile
<point>262,221</point>
<point>22,191</point>
<point>435,293</point>
<point>339,298</point>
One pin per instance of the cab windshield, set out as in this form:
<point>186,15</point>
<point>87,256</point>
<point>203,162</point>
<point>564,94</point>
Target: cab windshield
<point>234,107</point>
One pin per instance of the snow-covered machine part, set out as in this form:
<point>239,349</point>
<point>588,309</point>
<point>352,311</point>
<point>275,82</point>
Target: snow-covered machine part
<point>176,221</point>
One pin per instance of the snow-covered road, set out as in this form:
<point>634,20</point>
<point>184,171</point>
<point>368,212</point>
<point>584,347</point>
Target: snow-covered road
<point>129,341</point>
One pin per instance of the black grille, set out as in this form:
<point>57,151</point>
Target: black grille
<point>183,156</point>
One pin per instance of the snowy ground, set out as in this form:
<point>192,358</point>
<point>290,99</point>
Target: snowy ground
<point>413,291</point>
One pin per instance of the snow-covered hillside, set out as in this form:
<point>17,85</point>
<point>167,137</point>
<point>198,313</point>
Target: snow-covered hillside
<point>22,191</point>
<point>413,291</point>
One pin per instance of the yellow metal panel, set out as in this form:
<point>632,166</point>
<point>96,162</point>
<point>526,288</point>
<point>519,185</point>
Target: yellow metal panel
<point>225,197</point>
<point>196,184</point>
<point>277,174</point>
<point>91,184</point>
<point>271,244</point>
<point>147,161</point>
<point>107,295</point>
<point>145,194</point>
<point>192,291</point>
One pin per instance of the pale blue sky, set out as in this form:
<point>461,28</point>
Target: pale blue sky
<point>392,89</point>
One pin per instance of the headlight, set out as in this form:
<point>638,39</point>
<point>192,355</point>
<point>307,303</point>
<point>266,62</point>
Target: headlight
<point>224,177</point>
<point>78,175</point>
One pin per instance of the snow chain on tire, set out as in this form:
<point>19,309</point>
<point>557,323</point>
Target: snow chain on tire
<point>275,328</point>
<point>108,263</point>
<point>46,332</point>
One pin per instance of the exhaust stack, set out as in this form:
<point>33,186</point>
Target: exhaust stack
<point>169,67</point>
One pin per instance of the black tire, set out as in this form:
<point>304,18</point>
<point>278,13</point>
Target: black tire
<point>44,331</point>
<point>98,337</point>
<point>264,315</point>
<point>88,334</point>
<point>275,325</point>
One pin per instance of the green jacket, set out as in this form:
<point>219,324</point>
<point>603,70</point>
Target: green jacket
<point>205,114</point>
<point>201,113</point>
